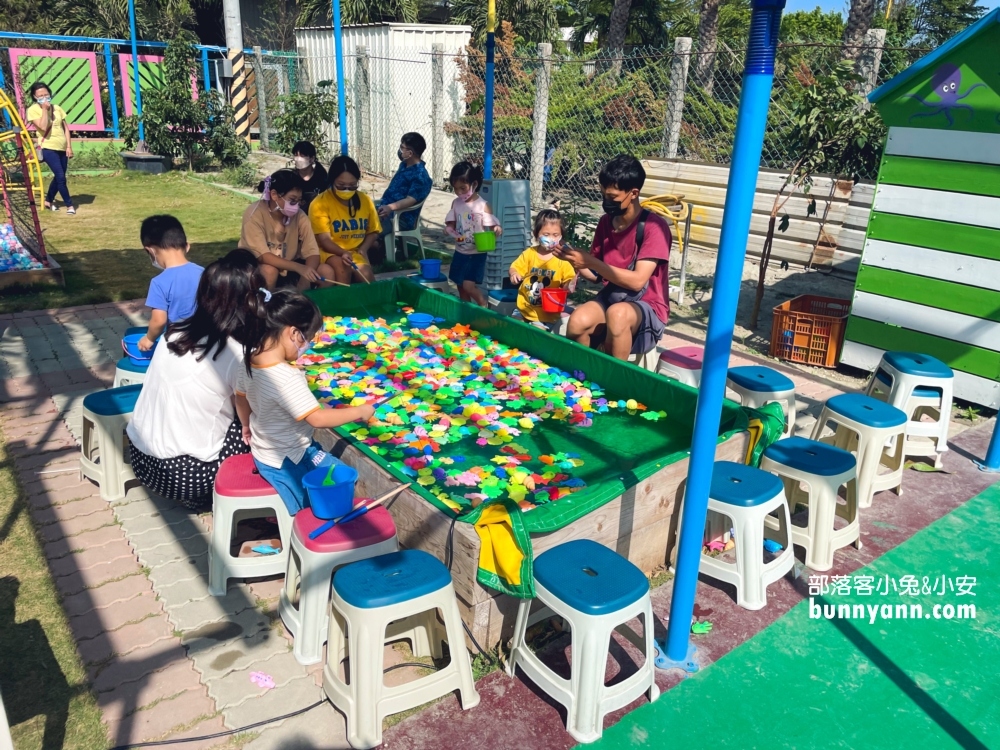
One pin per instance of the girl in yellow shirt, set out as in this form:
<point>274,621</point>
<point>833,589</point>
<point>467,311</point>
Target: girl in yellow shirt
<point>54,143</point>
<point>539,268</point>
<point>345,222</point>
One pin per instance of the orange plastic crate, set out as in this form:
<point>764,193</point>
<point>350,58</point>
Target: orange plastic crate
<point>810,329</point>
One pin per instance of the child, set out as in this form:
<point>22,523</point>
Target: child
<point>538,268</point>
<point>274,403</point>
<point>469,214</point>
<point>171,293</point>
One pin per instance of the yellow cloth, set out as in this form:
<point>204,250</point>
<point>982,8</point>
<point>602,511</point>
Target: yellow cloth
<point>538,274</point>
<point>56,139</point>
<point>498,551</point>
<point>329,216</point>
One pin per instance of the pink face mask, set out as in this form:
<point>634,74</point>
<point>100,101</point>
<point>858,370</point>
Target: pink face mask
<point>289,209</point>
<point>467,194</point>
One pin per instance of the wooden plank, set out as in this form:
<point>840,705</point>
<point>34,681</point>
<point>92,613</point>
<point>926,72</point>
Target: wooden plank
<point>981,148</point>
<point>944,295</point>
<point>959,356</point>
<point>768,180</point>
<point>939,235</point>
<point>936,174</point>
<point>937,264</point>
<point>966,329</point>
<point>967,386</point>
<point>957,208</point>
<point>793,252</point>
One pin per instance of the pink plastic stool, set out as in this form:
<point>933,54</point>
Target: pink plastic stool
<point>682,364</point>
<point>304,603</point>
<point>241,494</point>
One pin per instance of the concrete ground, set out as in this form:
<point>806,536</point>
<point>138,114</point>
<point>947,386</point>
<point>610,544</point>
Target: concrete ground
<point>166,660</point>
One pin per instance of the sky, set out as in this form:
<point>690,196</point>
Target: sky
<point>842,5</point>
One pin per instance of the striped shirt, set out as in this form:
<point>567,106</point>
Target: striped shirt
<point>280,400</point>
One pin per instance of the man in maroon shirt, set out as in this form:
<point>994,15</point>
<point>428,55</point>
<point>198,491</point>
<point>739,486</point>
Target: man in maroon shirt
<point>629,314</point>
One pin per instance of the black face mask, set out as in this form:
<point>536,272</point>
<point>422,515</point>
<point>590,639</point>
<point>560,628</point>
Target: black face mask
<point>612,207</point>
<point>399,155</point>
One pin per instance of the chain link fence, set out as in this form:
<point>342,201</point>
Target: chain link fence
<point>558,119</point>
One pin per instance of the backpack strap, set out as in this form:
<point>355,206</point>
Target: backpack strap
<point>640,233</point>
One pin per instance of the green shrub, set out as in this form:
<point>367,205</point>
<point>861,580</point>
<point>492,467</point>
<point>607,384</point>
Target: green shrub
<point>302,117</point>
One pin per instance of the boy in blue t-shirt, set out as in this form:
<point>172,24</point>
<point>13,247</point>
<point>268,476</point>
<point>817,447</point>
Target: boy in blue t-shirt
<point>172,294</point>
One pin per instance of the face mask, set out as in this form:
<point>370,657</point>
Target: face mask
<point>44,100</point>
<point>302,162</point>
<point>289,210</point>
<point>549,242</point>
<point>156,265</point>
<point>303,348</point>
<point>345,195</point>
<point>399,155</point>
<point>612,207</point>
<point>467,195</point>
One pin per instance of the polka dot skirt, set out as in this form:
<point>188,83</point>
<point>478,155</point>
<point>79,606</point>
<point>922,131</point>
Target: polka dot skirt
<point>183,478</point>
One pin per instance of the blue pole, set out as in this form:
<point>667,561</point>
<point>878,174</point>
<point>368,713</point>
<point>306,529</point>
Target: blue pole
<point>112,96</point>
<point>204,69</point>
<point>6,117</point>
<point>751,119</point>
<point>338,44</point>
<point>135,69</point>
<point>992,462</point>
<point>488,108</point>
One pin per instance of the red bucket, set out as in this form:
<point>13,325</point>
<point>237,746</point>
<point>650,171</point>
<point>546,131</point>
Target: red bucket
<point>554,300</point>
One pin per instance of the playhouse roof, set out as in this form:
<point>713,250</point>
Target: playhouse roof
<point>929,60</point>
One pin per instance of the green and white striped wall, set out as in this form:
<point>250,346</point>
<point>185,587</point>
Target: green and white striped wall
<point>929,279</point>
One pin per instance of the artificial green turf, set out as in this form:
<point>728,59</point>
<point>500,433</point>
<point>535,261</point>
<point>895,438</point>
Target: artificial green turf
<point>817,683</point>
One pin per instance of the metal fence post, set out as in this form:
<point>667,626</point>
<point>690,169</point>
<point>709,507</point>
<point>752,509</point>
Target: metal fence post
<point>261,88</point>
<point>543,77</point>
<point>112,95</point>
<point>363,111</point>
<point>438,136</point>
<point>675,99</point>
<point>869,61</point>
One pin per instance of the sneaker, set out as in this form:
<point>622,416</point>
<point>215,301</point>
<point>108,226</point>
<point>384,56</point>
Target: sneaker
<point>71,211</point>
<point>51,207</point>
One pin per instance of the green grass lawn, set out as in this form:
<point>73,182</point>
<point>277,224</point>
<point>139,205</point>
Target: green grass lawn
<point>99,248</point>
<point>41,677</point>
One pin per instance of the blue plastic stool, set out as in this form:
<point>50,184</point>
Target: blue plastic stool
<point>106,414</point>
<point>873,429</point>
<point>504,301</point>
<point>919,385</point>
<point>440,284</point>
<point>135,329</point>
<point>758,385</point>
<point>129,373</point>
<point>597,591</point>
<point>407,589</point>
<point>824,469</point>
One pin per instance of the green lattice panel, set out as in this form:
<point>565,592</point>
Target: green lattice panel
<point>70,76</point>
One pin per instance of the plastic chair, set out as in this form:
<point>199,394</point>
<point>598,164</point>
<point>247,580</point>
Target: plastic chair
<point>405,234</point>
<point>757,386</point>
<point>682,364</point>
<point>596,591</point>
<point>304,602</point>
<point>504,301</point>
<point>103,450</point>
<point>919,385</point>
<point>875,431</point>
<point>129,373</point>
<point>367,597</point>
<point>824,469</point>
<point>241,493</point>
<point>441,283</point>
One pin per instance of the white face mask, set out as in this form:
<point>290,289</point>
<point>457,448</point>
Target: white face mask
<point>302,162</point>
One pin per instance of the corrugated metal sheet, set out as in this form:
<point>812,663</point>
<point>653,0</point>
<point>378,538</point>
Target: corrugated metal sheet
<point>399,69</point>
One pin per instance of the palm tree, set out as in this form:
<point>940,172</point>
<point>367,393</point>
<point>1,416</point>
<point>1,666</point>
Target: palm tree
<point>353,12</point>
<point>859,20</point>
<point>532,20</point>
<point>708,33</point>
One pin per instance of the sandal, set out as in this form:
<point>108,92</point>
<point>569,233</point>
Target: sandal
<point>71,211</point>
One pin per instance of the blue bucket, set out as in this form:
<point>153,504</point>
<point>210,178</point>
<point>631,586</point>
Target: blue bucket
<point>131,346</point>
<point>329,501</point>
<point>430,269</point>
<point>419,320</point>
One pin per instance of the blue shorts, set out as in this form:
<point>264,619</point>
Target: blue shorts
<point>287,481</point>
<point>467,268</point>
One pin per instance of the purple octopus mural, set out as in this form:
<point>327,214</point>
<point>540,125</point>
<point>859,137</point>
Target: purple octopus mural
<point>947,84</point>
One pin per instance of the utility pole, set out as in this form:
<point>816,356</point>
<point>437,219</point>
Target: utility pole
<point>234,51</point>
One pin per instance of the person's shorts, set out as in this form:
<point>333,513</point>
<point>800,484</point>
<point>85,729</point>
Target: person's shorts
<point>287,480</point>
<point>357,257</point>
<point>467,268</point>
<point>650,329</point>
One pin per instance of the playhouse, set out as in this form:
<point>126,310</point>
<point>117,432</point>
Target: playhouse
<point>929,279</point>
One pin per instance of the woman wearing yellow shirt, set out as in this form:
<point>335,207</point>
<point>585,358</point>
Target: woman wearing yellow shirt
<point>346,223</point>
<point>53,143</point>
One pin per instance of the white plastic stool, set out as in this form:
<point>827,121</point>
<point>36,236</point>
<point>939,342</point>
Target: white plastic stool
<point>129,373</point>
<point>440,284</point>
<point>241,493</point>
<point>757,386</point>
<point>682,364</point>
<point>504,301</point>
<point>919,385</point>
<point>647,360</point>
<point>368,596</point>
<point>304,602</point>
<point>596,591</point>
<point>824,469</point>
<point>875,431</point>
<point>103,450</point>
<point>749,496</point>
